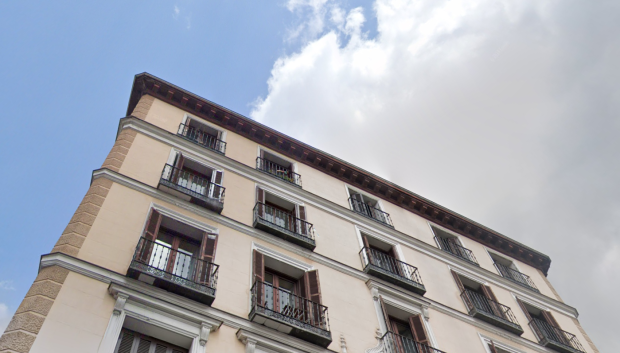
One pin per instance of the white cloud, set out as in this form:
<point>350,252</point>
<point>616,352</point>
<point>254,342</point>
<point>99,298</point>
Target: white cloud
<point>5,317</point>
<point>176,12</point>
<point>505,111</point>
<point>6,285</point>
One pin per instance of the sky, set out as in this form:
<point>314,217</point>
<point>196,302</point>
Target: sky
<point>506,111</point>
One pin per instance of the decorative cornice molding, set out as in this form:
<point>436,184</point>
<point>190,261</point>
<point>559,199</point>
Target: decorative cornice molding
<point>253,340</point>
<point>248,172</point>
<point>148,84</point>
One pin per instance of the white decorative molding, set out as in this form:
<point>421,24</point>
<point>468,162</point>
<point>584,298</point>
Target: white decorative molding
<point>343,344</point>
<point>276,255</point>
<point>205,329</point>
<point>251,173</point>
<point>165,211</point>
<point>254,342</point>
<point>112,332</point>
<point>379,347</point>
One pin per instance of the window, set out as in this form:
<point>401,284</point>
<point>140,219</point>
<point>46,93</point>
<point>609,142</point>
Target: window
<point>406,333</point>
<point>368,206</point>
<point>283,218</point>
<point>202,134</point>
<point>289,299</point>
<point>451,244</point>
<point>133,342</point>
<point>380,254</point>
<point>508,269</point>
<point>177,257</point>
<point>277,166</point>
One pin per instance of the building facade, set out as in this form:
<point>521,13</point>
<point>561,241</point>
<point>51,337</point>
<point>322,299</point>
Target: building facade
<point>205,231</point>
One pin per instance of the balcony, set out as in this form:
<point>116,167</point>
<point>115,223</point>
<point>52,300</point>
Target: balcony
<point>554,338</point>
<point>515,276</point>
<point>392,270</point>
<point>193,188</point>
<point>174,271</point>
<point>491,311</point>
<point>283,311</point>
<point>450,246</point>
<point>371,212</point>
<point>284,225</point>
<point>201,138</point>
<point>394,343</point>
<point>278,171</point>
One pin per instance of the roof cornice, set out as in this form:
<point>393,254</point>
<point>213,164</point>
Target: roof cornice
<point>145,83</point>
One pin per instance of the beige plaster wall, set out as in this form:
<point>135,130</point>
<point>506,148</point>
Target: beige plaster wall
<point>165,116</point>
<point>78,319</point>
<point>321,184</point>
<point>224,340</point>
<point>145,160</point>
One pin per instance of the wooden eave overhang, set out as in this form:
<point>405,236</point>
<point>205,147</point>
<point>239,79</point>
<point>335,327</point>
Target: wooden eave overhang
<point>145,83</point>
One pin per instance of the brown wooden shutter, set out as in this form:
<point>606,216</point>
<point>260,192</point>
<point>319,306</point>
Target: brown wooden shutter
<point>497,310</point>
<point>418,330</point>
<point>303,226</point>
<point>259,266</point>
<point>150,234</point>
<point>365,240</point>
<point>180,161</point>
<point>386,317</point>
<point>458,281</point>
<point>525,311</point>
<point>488,292</point>
<point>209,244</point>
<point>314,286</point>
<point>217,177</point>
<point>550,319</point>
<point>260,199</point>
<point>492,347</point>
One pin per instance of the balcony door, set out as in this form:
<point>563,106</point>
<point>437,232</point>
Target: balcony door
<point>174,253</point>
<point>280,293</point>
<point>195,177</point>
<point>408,332</point>
<point>382,255</point>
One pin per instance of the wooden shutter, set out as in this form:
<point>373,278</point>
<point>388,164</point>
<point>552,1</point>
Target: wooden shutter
<point>260,199</point>
<point>130,341</point>
<point>492,347</point>
<point>216,182</point>
<point>525,311</point>
<point>208,246</point>
<point>386,317</point>
<point>549,318</point>
<point>125,342</point>
<point>303,226</point>
<point>314,286</point>
<point>205,267</point>
<point>458,281</point>
<point>217,177</point>
<point>150,234</point>
<point>494,304</point>
<point>417,327</point>
<point>258,265</point>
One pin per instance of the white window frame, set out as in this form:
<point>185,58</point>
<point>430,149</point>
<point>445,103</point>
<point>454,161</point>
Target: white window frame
<point>492,253</point>
<point>394,243</point>
<point>173,155</point>
<point>294,167</point>
<point>204,122</point>
<point>286,197</point>
<point>349,187</point>
<point>406,304</point>
<point>486,341</point>
<point>456,235</point>
<point>177,216</point>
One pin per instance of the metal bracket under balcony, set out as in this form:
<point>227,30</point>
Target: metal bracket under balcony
<point>201,138</point>
<point>192,188</point>
<point>517,277</point>
<point>278,171</point>
<point>392,270</point>
<point>371,212</point>
<point>291,314</point>
<point>395,343</point>
<point>284,225</point>
<point>491,311</point>
<point>555,338</point>
<point>174,271</point>
<point>450,246</point>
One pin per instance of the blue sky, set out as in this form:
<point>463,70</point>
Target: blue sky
<point>506,112</point>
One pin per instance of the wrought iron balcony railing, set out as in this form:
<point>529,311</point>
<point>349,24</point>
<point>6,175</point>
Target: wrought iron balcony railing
<point>192,187</point>
<point>392,270</point>
<point>284,225</point>
<point>274,306</point>
<point>395,343</point>
<point>554,338</point>
<point>370,212</point>
<point>491,311</point>
<point>174,270</point>
<point>278,171</point>
<point>450,246</point>
<point>201,138</point>
<point>516,276</point>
